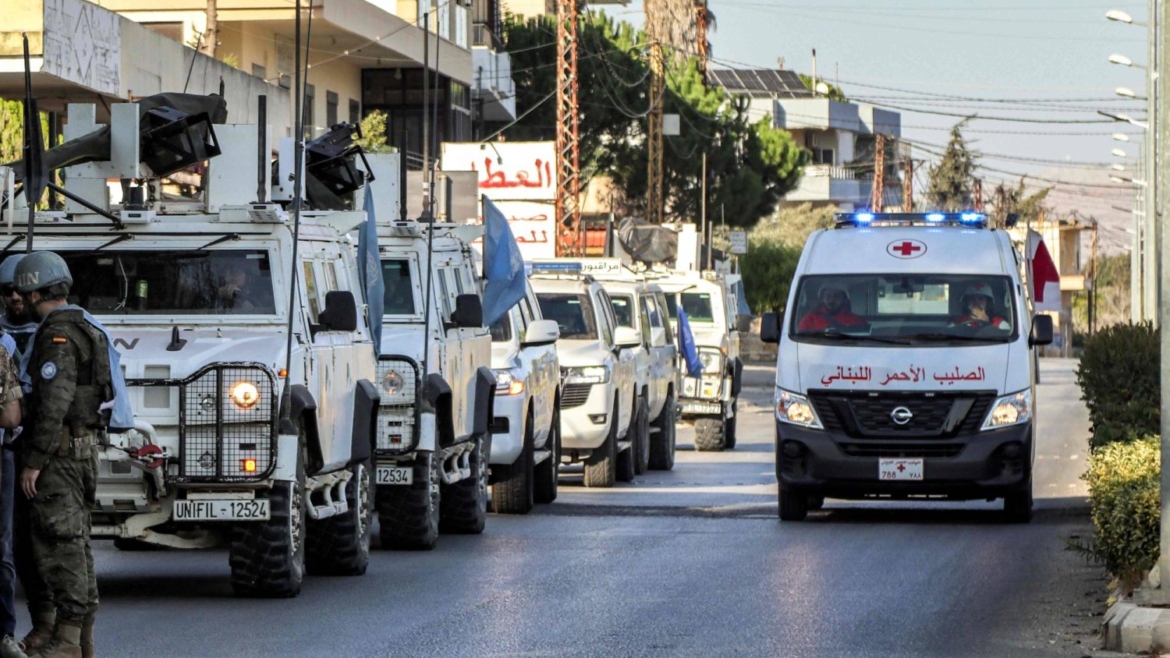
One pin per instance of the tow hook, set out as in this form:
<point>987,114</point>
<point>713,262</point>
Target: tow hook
<point>150,455</point>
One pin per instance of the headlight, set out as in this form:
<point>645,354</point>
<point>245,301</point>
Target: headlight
<point>1010,410</point>
<point>507,384</point>
<point>712,362</point>
<point>245,395</point>
<point>796,409</point>
<point>391,382</point>
<point>590,375</point>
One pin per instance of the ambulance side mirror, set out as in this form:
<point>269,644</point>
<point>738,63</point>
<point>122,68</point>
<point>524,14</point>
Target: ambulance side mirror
<point>770,327</point>
<point>1041,330</point>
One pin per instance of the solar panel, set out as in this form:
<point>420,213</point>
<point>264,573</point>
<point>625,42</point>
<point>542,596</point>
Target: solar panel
<point>761,83</point>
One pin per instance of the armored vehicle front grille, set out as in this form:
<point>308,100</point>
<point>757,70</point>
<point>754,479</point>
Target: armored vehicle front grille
<point>575,395</point>
<point>398,413</point>
<point>227,422</point>
<point>869,414</point>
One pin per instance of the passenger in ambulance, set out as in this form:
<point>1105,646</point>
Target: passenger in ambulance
<point>834,312</point>
<point>979,303</point>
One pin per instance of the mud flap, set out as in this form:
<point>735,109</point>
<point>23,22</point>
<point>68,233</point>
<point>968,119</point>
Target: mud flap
<point>736,376</point>
<point>365,422</point>
<point>304,410</point>
<point>438,395</point>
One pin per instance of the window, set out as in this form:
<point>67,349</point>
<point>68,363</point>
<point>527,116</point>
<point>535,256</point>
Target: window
<point>355,112</point>
<point>645,316</point>
<point>911,308</point>
<point>526,317</point>
<point>204,282</point>
<point>331,103</point>
<point>502,329</point>
<point>623,310</point>
<point>665,323</point>
<point>608,321</point>
<point>446,304</point>
<point>259,71</point>
<point>310,100</point>
<point>330,277</point>
<point>573,313</point>
<point>398,298</point>
<point>286,81</point>
<point>310,283</point>
<point>698,306</point>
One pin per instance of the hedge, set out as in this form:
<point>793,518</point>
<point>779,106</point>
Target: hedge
<point>1123,491</point>
<point>1119,379</point>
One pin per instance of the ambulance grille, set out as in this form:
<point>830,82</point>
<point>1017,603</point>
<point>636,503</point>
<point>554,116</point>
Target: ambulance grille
<point>398,413</point>
<point>865,414</point>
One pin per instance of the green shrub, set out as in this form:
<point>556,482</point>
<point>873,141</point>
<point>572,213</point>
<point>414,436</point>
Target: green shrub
<point>1124,494</point>
<point>1118,376</point>
<point>767,270</point>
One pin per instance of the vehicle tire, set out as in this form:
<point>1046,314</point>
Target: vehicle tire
<point>708,434</point>
<point>1017,506</point>
<point>463,505</point>
<point>627,460</point>
<point>729,427</point>
<point>601,465</point>
<point>136,545</point>
<point>340,545</point>
<point>267,558</point>
<point>547,472</point>
<point>513,491</point>
<point>662,441</point>
<point>816,503</point>
<point>642,441</point>
<point>793,505</point>
<point>408,516</point>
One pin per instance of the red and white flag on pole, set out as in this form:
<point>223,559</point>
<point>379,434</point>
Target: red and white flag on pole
<point>1044,277</point>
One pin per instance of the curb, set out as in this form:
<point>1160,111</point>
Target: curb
<point>1134,629</point>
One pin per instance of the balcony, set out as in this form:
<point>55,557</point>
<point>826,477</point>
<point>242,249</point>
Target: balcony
<point>487,36</point>
<point>823,183</point>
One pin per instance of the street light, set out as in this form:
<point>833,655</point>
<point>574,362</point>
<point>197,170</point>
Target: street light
<point>1124,118</point>
<point>1119,16</point>
<point>1126,92</point>
<point>1120,137</point>
<point>1117,166</point>
<point>1119,153</point>
<point>1122,60</point>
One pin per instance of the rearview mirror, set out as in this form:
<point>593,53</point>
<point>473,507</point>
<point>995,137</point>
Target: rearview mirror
<point>770,328</point>
<point>627,337</point>
<point>468,312</point>
<point>541,332</point>
<point>1041,330</point>
<point>340,312</point>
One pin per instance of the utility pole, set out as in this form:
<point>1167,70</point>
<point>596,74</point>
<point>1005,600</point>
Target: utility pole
<point>211,34</point>
<point>1151,259</point>
<point>879,173</point>
<point>570,239</point>
<point>908,184</point>
<point>1160,10</point>
<point>978,195</point>
<point>703,218</point>
<point>657,33</point>
<point>1092,305</point>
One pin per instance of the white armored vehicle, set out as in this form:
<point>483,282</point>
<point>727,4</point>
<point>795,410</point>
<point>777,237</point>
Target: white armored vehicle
<point>437,386</point>
<point>237,442</point>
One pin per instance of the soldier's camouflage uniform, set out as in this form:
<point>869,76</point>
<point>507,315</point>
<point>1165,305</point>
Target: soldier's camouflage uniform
<point>67,389</point>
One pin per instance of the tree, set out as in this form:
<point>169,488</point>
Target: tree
<point>1026,207</point>
<point>949,186</point>
<point>373,139</point>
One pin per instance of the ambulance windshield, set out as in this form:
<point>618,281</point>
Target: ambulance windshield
<point>196,282</point>
<point>906,309</point>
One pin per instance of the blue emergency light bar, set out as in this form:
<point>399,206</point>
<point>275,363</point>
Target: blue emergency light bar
<point>866,219</point>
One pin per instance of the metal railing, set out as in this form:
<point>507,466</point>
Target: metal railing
<point>482,34</point>
<point>829,171</point>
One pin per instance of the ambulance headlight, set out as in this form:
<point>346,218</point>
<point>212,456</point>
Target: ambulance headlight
<point>795,409</point>
<point>1010,410</point>
<point>244,394</point>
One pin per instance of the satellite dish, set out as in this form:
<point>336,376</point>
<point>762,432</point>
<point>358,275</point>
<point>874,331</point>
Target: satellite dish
<point>822,88</point>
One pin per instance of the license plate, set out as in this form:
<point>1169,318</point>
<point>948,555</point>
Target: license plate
<point>395,475</point>
<point>222,510</point>
<point>900,469</point>
<point>702,408</point>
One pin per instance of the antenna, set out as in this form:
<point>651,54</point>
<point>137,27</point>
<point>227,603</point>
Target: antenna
<point>298,126</point>
<point>261,146</point>
<point>428,204</point>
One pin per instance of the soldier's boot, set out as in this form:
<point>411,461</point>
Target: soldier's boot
<point>66,642</point>
<point>87,636</point>
<point>42,631</point>
<point>10,649</point>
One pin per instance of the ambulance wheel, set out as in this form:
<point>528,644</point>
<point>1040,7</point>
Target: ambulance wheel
<point>463,505</point>
<point>709,434</point>
<point>1017,506</point>
<point>662,440</point>
<point>340,545</point>
<point>793,504</point>
<point>408,515</point>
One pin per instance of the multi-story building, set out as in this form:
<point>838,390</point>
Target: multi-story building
<point>841,136</point>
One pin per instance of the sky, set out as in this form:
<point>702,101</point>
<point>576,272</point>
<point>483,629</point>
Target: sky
<point>1047,60</point>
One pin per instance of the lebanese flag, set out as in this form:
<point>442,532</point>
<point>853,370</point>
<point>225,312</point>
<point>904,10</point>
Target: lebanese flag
<point>1044,278</point>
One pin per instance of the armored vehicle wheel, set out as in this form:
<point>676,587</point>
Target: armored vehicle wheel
<point>513,492</point>
<point>268,557</point>
<point>463,507</point>
<point>1017,507</point>
<point>601,465</point>
<point>642,440</point>
<point>408,515</point>
<point>548,471</point>
<point>729,427</point>
<point>662,441</point>
<point>340,545</point>
<point>793,505</point>
<point>709,434</point>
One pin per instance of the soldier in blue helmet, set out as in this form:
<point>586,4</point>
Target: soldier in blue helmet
<point>15,320</point>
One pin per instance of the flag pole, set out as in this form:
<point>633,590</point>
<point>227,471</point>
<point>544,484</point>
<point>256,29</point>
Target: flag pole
<point>30,117</point>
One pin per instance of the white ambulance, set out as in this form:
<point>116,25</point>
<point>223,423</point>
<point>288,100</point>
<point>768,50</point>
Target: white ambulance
<point>906,365</point>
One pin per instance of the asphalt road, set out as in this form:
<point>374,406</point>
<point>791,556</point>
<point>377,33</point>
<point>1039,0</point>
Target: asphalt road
<point>687,563</point>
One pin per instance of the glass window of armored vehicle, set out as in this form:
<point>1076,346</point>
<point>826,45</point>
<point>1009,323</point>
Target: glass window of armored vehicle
<point>623,309</point>
<point>176,282</point>
<point>662,305</point>
<point>444,295</point>
<point>698,306</point>
<point>311,291</point>
<point>329,278</point>
<point>398,298</point>
<point>916,308</point>
<point>644,312</point>
<point>573,313</point>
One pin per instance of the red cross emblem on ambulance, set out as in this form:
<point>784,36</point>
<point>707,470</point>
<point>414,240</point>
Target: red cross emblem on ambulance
<point>906,248</point>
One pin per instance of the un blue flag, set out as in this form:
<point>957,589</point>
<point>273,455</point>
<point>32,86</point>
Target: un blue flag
<point>503,267</point>
<point>371,267</point>
<point>686,345</point>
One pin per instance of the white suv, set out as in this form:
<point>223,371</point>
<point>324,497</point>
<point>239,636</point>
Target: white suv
<point>525,450</point>
<point>643,308</point>
<point>597,375</point>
